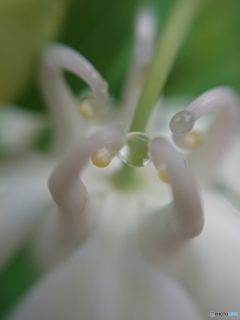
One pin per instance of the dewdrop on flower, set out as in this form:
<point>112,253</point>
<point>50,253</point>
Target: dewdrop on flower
<point>214,143</point>
<point>135,152</point>
<point>220,99</point>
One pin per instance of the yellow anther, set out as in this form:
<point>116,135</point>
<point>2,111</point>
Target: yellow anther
<point>102,157</point>
<point>87,108</point>
<point>163,176</point>
<point>194,139</point>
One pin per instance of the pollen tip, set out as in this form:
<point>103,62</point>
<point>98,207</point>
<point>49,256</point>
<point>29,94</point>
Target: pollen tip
<point>98,162</point>
<point>163,176</point>
<point>87,108</point>
<point>182,123</point>
<point>194,139</point>
<point>102,157</point>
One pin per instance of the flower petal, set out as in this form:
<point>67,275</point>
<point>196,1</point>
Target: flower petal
<point>93,285</point>
<point>23,203</point>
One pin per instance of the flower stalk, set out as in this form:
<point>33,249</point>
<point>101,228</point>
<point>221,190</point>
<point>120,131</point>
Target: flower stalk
<point>167,51</point>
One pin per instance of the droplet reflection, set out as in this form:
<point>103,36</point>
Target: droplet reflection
<point>135,152</point>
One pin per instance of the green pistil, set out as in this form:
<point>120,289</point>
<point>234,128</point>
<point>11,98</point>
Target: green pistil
<point>127,179</point>
<point>166,53</point>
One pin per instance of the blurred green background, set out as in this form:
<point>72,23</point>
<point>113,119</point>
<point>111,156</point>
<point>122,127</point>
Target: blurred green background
<point>102,30</point>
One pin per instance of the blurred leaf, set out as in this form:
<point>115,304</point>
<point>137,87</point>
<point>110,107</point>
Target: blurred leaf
<point>25,25</point>
<point>211,55</point>
<point>15,279</point>
<point>101,30</point>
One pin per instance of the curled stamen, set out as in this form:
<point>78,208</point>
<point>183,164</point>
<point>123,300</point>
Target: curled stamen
<point>61,58</point>
<point>75,218</point>
<point>63,103</point>
<point>65,186</point>
<point>225,101</point>
<point>186,203</point>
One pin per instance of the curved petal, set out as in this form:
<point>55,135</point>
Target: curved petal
<point>211,262</point>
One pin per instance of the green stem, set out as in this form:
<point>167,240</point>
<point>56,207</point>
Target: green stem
<point>165,56</point>
<point>126,179</point>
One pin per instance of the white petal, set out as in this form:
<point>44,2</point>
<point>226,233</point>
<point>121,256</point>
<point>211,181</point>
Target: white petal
<point>23,198</point>
<point>212,261</point>
<point>93,285</point>
<point>229,171</point>
<point>209,265</point>
<point>18,129</point>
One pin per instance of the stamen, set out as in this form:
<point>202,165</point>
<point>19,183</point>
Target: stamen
<point>62,58</point>
<point>219,137</point>
<point>186,203</point>
<point>192,140</point>
<point>162,170</point>
<point>163,176</point>
<point>65,186</point>
<point>63,103</point>
<point>87,108</point>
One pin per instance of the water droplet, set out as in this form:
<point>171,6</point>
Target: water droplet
<point>135,152</point>
<point>182,123</point>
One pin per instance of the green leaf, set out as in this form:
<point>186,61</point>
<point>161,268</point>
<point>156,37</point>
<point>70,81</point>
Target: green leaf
<point>211,54</point>
<point>15,280</point>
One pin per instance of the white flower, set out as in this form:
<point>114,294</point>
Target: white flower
<point>18,130</point>
<point>137,255</point>
<point>135,248</point>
